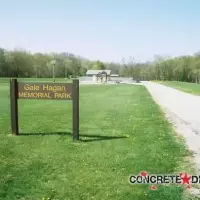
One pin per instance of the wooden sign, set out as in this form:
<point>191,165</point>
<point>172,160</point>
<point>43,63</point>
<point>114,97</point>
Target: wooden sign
<point>49,91</point>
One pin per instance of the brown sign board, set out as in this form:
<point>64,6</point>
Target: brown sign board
<point>55,91</point>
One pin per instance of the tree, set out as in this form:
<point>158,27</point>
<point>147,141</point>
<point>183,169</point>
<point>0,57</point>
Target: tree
<point>2,63</point>
<point>98,65</point>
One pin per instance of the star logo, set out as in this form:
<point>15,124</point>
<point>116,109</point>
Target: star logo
<point>185,179</point>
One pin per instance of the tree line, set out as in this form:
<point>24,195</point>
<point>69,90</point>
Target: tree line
<point>182,68</point>
<point>21,63</point>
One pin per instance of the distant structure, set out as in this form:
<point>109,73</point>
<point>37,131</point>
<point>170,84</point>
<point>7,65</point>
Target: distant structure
<point>101,76</point>
<point>114,77</point>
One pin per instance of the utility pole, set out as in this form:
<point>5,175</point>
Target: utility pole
<point>53,62</point>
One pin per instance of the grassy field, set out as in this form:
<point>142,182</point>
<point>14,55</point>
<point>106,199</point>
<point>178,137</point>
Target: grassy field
<point>122,133</point>
<point>192,88</point>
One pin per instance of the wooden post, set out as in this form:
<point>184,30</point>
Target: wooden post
<point>75,96</point>
<point>14,106</point>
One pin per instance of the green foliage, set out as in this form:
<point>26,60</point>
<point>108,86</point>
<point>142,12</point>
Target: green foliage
<point>98,65</point>
<point>20,63</point>
<point>184,68</point>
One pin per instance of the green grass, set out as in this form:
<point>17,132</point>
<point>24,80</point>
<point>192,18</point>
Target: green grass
<point>122,133</point>
<point>192,88</point>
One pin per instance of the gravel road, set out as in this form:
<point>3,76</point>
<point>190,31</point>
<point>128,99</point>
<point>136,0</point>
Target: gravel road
<point>183,110</point>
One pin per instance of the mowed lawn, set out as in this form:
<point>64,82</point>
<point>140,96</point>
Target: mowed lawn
<point>193,88</point>
<point>122,133</point>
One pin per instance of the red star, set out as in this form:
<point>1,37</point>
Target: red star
<point>185,178</point>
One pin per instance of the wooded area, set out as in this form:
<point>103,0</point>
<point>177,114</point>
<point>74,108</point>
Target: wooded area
<point>20,63</point>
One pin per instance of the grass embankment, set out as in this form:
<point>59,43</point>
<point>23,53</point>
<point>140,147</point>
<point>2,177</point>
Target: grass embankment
<point>192,88</point>
<point>122,133</point>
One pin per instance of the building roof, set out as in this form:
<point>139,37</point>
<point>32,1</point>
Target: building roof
<point>95,72</point>
<point>114,75</point>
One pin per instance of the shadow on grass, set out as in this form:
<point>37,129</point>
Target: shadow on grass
<point>92,137</point>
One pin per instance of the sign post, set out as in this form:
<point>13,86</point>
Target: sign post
<point>50,91</point>
<point>75,94</point>
<point>14,106</point>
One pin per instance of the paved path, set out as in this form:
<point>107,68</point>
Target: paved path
<point>183,110</point>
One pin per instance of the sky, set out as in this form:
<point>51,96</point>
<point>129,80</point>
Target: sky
<point>106,30</point>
